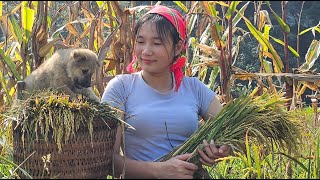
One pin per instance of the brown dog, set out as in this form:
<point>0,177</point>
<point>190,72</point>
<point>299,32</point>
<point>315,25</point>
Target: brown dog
<point>68,70</point>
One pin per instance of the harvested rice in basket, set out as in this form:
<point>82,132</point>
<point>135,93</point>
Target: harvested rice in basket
<point>49,113</point>
<point>54,137</point>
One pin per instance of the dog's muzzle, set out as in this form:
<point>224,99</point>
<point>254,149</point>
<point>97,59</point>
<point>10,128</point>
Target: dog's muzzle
<point>85,83</point>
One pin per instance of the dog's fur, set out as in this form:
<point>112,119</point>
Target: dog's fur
<point>68,71</point>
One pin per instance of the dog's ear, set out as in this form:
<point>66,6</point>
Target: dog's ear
<point>78,56</point>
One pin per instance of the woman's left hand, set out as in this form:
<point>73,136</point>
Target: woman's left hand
<point>211,152</point>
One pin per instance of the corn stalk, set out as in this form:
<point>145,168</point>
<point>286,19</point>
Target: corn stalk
<point>39,34</point>
<point>289,89</point>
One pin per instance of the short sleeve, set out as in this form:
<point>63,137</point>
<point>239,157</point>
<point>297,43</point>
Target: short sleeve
<point>114,93</point>
<point>203,94</point>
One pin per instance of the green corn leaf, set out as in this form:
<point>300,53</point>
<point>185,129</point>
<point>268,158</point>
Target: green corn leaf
<point>278,65</point>
<point>295,53</point>
<point>266,34</point>
<point>27,19</point>
<point>100,4</point>
<point>213,11</point>
<point>16,29</point>
<point>316,27</point>
<point>282,24</point>
<point>181,5</point>
<point>231,9</point>
<point>304,31</point>
<point>11,65</point>
<point>4,87</point>
<point>237,17</point>
<point>209,9</point>
<point>235,20</point>
<point>280,21</point>
<point>214,74</point>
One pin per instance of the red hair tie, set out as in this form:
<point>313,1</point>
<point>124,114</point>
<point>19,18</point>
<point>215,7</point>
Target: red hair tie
<point>176,68</point>
<point>133,66</point>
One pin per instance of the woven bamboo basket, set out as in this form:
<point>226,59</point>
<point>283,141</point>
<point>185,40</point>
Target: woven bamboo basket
<point>81,157</point>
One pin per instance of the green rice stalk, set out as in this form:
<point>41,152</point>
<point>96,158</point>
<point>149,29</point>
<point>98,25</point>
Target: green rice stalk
<point>264,117</point>
<point>257,160</point>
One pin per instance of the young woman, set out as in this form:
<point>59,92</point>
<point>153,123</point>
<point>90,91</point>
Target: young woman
<point>160,102</point>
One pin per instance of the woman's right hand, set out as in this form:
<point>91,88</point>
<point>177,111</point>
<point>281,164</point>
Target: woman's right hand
<point>177,168</point>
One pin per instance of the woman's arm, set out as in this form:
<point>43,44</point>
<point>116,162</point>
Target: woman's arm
<point>211,152</point>
<point>176,167</point>
<point>214,108</point>
<point>134,169</point>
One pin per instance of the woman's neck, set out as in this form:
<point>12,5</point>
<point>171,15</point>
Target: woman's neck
<point>162,82</point>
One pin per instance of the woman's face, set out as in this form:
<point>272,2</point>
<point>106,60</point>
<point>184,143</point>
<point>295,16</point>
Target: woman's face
<point>154,55</point>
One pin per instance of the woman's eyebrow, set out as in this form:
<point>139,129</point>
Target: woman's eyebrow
<point>155,37</point>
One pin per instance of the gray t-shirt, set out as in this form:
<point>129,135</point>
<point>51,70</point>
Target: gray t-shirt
<point>162,120</point>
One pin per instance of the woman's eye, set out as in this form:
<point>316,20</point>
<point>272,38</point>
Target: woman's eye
<point>157,43</point>
<point>139,42</point>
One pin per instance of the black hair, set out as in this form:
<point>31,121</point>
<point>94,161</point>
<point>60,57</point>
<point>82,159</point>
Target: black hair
<point>164,28</point>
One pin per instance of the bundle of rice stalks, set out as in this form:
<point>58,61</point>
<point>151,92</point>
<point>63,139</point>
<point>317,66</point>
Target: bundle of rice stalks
<point>264,119</point>
<point>49,114</point>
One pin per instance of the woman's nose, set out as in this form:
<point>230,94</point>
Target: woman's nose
<point>147,51</point>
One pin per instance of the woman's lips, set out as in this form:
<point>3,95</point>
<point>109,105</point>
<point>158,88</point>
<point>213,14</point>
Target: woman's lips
<point>146,61</point>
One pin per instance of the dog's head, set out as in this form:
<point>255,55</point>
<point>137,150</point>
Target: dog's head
<point>82,64</point>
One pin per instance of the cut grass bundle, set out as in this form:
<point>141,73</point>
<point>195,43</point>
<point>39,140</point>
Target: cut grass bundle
<point>264,118</point>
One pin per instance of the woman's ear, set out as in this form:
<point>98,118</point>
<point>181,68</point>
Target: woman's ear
<point>178,49</point>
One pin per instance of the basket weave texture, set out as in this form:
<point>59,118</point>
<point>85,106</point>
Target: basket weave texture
<point>81,157</point>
